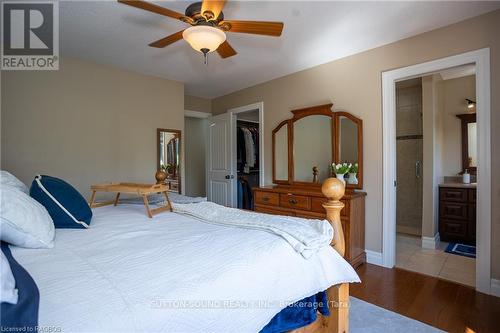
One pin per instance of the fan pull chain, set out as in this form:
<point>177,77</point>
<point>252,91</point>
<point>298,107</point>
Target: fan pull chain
<point>205,55</point>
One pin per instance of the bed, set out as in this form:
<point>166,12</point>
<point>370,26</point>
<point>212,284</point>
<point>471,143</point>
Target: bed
<point>175,273</point>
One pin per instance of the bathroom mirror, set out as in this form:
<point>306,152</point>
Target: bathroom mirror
<point>305,146</point>
<point>280,153</point>
<point>168,156</point>
<point>469,142</point>
<point>312,147</point>
<point>349,136</point>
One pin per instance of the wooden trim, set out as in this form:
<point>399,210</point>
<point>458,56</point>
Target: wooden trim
<point>359,123</point>
<point>325,110</point>
<point>466,119</point>
<point>179,133</point>
<point>275,130</point>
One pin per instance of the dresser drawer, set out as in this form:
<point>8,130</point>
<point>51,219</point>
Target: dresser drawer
<point>317,206</point>
<point>453,210</point>
<point>267,210</point>
<point>453,228</point>
<point>453,194</point>
<point>295,201</point>
<point>310,215</point>
<point>267,198</point>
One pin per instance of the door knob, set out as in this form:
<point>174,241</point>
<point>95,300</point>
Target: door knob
<point>229,177</point>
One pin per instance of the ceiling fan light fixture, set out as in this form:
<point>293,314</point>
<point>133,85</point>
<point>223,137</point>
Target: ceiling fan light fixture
<point>204,37</point>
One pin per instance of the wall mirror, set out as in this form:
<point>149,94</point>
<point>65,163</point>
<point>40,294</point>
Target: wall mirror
<point>305,146</point>
<point>280,152</point>
<point>469,142</point>
<point>312,148</point>
<point>349,136</point>
<point>169,147</point>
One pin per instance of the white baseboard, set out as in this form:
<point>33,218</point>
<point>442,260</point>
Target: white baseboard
<point>373,257</point>
<point>495,287</point>
<point>430,242</point>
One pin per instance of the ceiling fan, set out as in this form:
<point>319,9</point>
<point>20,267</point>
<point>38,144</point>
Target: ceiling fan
<point>208,26</point>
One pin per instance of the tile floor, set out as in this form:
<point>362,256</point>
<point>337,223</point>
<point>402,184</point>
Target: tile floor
<point>411,256</point>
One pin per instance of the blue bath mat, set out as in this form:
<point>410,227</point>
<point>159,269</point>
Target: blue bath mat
<point>461,250</point>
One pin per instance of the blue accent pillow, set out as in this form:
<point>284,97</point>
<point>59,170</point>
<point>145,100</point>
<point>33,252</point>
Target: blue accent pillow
<point>65,204</point>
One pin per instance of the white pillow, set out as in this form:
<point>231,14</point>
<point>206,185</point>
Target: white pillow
<point>7,178</point>
<point>24,221</point>
<point>8,291</point>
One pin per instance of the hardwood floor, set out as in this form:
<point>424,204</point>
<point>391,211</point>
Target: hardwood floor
<point>446,305</point>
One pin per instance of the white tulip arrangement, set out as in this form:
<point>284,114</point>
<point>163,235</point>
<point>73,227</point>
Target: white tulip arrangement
<point>341,168</point>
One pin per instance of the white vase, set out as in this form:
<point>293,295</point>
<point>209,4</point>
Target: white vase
<point>340,176</point>
<point>352,178</point>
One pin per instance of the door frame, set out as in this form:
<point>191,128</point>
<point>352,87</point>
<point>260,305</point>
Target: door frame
<point>481,58</point>
<point>232,119</point>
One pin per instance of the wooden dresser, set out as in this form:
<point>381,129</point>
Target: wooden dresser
<point>307,203</point>
<point>457,214</point>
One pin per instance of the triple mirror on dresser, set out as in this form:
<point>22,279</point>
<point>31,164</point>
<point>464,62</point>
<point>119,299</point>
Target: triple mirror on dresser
<point>304,147</point>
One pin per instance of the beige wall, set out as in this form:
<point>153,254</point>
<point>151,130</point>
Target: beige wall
<point>195,135</point>
<point>193,103</point>
<point>354,84</point>
<point>454,92</point>
<point>432,101</point>
<point>86,123</point>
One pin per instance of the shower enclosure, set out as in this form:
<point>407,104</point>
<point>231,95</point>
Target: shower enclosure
<point>409,149</point>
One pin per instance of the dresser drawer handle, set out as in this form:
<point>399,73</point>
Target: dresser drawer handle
<point>293,201</point>
<point>265,199</point>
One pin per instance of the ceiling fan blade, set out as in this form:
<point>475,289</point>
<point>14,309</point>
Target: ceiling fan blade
<point>253,27</point>
<point>167,40</point>
<point>212,8</point>
<point>153,8</point>
<point>225,50</point>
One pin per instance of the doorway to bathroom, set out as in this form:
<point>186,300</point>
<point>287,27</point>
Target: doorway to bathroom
<point>436,144</point>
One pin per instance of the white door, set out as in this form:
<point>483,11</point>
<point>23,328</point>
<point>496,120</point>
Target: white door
<point>220,176</point>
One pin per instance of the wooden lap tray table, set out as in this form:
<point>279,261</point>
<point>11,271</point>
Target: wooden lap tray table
<point>142,190</point>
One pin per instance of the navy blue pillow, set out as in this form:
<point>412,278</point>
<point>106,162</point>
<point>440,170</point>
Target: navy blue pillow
<point>65,204</point>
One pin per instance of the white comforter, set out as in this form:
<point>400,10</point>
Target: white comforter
<point>304,236</point>
<point>172,273</point>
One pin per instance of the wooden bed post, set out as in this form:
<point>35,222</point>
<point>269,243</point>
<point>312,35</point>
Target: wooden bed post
<point>338,321</point>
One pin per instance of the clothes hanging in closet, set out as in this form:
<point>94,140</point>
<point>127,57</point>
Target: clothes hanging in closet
<point>245,196</point>
<point>247,147</point>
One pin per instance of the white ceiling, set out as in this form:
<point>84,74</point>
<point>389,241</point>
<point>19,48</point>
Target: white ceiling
<point>108,32</point>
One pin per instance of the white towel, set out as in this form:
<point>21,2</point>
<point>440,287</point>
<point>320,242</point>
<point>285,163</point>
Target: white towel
<point>305,236</point>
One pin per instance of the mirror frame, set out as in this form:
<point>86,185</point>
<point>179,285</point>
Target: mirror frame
<point>359,124</point>
<point>289,137</point>
<point>325,110</point>
<point>158,134</point>
<point>466,119</point>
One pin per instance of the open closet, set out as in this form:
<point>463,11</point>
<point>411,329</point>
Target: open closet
<point>247,155</point>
